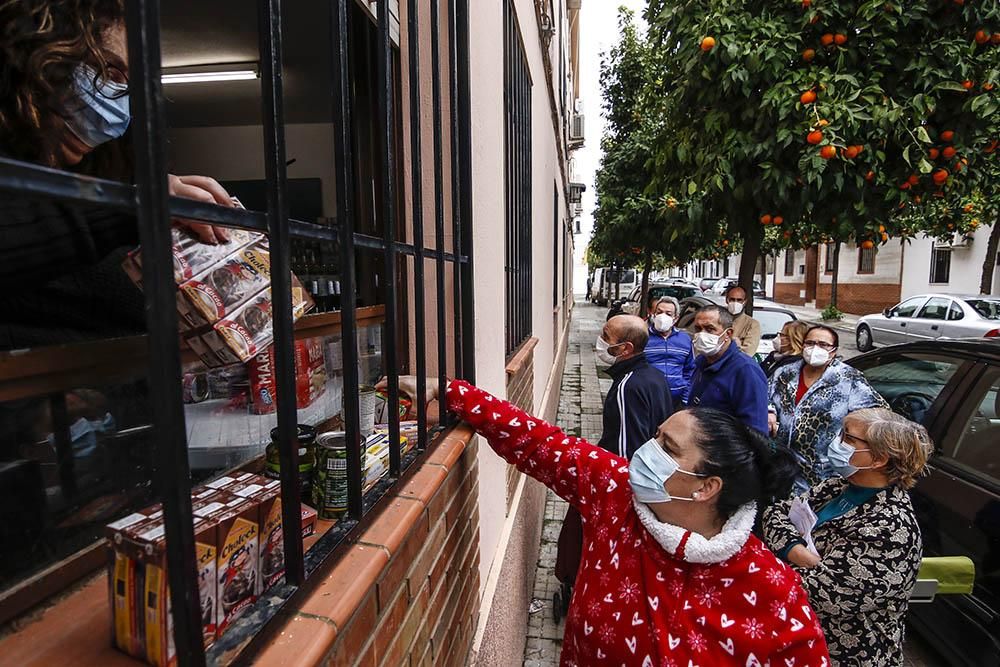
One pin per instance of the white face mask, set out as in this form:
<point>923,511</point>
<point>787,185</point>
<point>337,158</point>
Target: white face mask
<point>708,344</point>
<point>734,307</point>
<point>777,344</point>
<point>663,322</point>
<point>816,356</point>
<point>603,355</point>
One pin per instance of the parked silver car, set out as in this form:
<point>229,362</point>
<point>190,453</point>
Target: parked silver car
<point>930,317</point>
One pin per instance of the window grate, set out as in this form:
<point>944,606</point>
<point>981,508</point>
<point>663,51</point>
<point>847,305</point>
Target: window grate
<point>789,262</point>
<point>517,159</point>
<point>940,266</point>
<point>866,260</point>
<point>149,200</point>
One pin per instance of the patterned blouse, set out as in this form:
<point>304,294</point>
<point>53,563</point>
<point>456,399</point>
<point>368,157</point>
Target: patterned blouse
<point>861,587</point>
<point>809,427</point>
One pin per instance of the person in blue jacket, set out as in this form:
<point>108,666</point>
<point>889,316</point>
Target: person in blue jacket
<point>725,378</point>
<point>669,349</point>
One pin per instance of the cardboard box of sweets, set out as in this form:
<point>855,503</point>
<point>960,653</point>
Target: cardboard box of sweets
<point>192,256</point>
<point>140,598</point>
<point>222,287</point>
<point>310,376</point>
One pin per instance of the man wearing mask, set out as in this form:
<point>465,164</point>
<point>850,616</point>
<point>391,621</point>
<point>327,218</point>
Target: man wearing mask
<point>669,349</point>
<point>746,330</point>
<point>637,403</point>
<point>725,378</point>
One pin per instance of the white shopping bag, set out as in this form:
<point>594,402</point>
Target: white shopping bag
<point>804,519</point>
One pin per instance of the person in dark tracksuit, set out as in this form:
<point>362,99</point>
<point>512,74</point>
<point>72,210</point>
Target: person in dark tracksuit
<point>637,403</point>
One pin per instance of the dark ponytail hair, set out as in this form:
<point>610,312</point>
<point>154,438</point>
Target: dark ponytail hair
<point>750,467</point>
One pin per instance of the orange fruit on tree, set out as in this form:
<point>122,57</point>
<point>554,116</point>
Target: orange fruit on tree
<point>881,229</point>
<point>950,226</point>
<point>992,147</point>
<point>917,199</point>
<point>974,223</point>
<point>822,122</point>
<point>867,244</point>
<point>948,152</point>
<point>851,152</point>
<point>827,39</point>
<point>995,38</point>
<point>814,137</point>
<point>982,37</point>
<point>905,185</point>
<point>815,19</point>
<point>840,39</point>
<point>806,4</point>
<point>807,97</point>
<point>940,176</point>
<point>870,176</point>
<point>787,235</point>
<point>960,165</point>
<point>808,55</point>
<point>885,237</point>
<point>987,86</point>
<point>913,179</point>
<point>765,219</point>
<point>968,85</point>
<point>725,242</point>
<point>778,220</point>
<point>947,135</point>
<point>828,152</point>
<point>707,44</point>
<point>933,153</point>
<point>968,208</point>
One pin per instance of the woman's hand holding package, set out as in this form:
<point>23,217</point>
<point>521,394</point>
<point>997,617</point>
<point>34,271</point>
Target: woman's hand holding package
<point>800,555</point>
<point>203,189</point>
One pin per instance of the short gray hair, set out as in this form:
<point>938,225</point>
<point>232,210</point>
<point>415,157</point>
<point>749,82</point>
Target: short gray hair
<point>668,299</point>
<point>725,317</point>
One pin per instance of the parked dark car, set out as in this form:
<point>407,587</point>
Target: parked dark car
<point>953,388</point>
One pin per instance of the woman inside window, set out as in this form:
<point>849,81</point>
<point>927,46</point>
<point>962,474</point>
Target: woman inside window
<point>671,572</point>
<point>809,399</point>
<point>64,103</point>
<point>854,538</point>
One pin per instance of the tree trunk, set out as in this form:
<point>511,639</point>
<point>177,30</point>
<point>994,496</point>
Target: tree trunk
<point>646,268</point>
<point>989,264</point>
<point>836,274</point>
<point>748,261</point>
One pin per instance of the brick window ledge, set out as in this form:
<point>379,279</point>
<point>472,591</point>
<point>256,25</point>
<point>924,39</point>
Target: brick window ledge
<point>406,587</point>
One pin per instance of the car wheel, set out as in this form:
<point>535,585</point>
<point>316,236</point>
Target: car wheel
<point>864,338</point>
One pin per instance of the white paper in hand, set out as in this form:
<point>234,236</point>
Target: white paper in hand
<point>804,519</point>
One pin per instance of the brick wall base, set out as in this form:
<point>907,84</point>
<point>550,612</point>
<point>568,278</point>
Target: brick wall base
<point>860,298</point>
<point>789,293</point>
<point>407,593</point>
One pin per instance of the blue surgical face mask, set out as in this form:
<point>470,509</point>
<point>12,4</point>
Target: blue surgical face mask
<point>649,470</point>
<point>100,112</point>
<point>839,454</point>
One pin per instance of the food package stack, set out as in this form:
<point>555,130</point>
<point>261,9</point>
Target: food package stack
<point>239,552</point>
<point>224,295</point>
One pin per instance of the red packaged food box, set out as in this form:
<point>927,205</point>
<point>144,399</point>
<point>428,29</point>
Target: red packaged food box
<point>238,553</point>
<point>310,376</point>
<point>192,256</point>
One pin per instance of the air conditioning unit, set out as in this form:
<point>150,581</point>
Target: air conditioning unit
<point>957,243</point>
<point>576,128</point>
<point>576,191</point>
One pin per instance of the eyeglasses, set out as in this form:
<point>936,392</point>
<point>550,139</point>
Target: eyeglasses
<point>819,343</point>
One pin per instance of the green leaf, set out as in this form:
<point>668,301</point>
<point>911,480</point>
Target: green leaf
<point>923,136</point>
<point>925,166</point>
<point>906,156</point>
<point>692,187</point>
<point>950,85</point>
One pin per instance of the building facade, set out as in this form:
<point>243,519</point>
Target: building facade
<point>414,172</point>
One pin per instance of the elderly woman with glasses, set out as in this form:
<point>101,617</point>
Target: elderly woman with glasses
<point>854,539</point>
<point>809,399</point>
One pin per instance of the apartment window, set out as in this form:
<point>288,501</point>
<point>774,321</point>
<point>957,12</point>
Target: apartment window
<point>517,161</point>
<point>866,260</point>
<point>160,413</point>
<point>940,265</point>
<point>831,257</point>
<point>789,262</point>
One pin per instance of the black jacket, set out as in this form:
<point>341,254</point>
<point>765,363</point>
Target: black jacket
<point>638,402</point>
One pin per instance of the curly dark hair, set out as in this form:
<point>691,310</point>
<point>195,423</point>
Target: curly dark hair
<point>41,44</point>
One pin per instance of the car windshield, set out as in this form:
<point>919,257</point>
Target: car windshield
<point>676,291</point>
<point>987,308</point>
<point>771,321</point>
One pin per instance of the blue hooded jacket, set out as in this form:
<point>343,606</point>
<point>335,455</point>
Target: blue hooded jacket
<point>734,384</point>
<point>674,357</point>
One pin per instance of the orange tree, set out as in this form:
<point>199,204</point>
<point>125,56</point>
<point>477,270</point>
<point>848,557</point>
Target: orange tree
<point>842,118</point>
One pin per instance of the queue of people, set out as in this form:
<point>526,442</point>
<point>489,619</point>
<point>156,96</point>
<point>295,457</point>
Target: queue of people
<point>803,436</point>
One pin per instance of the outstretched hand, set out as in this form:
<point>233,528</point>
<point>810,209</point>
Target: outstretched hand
<point>408,386</point>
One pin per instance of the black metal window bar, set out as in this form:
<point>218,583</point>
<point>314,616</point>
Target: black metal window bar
<point>517,157</point>
<point>154,208</point>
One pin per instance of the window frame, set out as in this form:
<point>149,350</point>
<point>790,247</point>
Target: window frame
<point>149,200</point>
<point>830,256</point>
<point>789,262</point>
<point>935,253</point>
<point>866,260</point>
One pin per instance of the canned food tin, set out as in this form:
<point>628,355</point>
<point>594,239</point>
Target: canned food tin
<point>307,457</point>
<point>329,492</point>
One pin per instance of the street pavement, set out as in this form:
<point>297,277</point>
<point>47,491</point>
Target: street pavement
<point>580,407</point>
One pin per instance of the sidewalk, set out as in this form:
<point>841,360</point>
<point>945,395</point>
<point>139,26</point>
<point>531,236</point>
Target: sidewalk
<point>580,408</point>
<point>848,323</point>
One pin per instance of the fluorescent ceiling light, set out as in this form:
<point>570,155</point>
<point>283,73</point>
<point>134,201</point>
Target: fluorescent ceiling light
<point>210,73</point>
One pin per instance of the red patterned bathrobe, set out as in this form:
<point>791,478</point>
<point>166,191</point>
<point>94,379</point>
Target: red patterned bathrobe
<point>652,594</point>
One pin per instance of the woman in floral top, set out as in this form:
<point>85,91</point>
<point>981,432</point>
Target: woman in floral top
<point>671,574</point>
<point>859,561</point>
